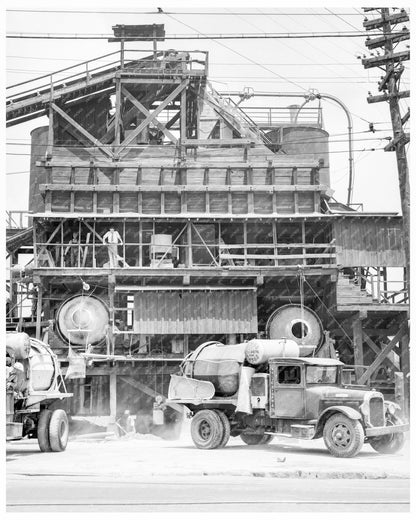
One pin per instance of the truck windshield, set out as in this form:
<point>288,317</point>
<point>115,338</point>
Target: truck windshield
<point>320,375</point>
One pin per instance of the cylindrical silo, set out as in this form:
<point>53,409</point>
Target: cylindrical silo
<point>304,142</point>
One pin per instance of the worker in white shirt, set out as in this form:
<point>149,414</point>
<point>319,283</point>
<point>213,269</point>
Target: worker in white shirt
<point>112,238</point>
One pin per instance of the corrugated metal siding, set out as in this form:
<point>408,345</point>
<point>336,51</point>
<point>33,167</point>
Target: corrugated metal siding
<point>196,312</point>
<point>369,242</point>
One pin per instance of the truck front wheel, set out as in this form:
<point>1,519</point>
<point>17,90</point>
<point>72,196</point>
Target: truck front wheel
<point>207,430</point>
<point>43,430</point>
<point>388,443</point>
<point>58,430</point>
<point>344,437</point>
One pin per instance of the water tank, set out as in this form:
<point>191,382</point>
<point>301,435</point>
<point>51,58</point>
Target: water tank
<point>293,322</point>
<point>299,141</point>
<point>38,174</point>
<point>82,320</point>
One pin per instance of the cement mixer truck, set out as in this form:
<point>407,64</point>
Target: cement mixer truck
<point>33,387</point>
<point>266,388</point>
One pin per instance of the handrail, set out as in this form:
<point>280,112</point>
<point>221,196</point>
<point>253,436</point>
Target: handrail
<point>62,70</point>
<point>87,69</point>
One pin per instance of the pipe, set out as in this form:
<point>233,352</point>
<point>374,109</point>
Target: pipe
<point>310,96</point>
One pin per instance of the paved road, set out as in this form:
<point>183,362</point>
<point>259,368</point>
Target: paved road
<point>204,494</point>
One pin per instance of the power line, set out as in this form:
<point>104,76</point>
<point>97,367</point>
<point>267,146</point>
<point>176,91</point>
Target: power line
<point>241,55</point>
<point>200,36</point>
<point>218,156</point>
<point>232,63</point>
<point>199,13</point>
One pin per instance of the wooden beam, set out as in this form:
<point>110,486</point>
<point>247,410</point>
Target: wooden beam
<point>387,97</point>
<point>377,350</point>
<point>144,110</point>
<point>113,395</point>
<point>383,353</point>
<point>152,116</point>
<point>378,61</point>
<point>357,332</point>
<point>82,131</point>
<point>39,311</point>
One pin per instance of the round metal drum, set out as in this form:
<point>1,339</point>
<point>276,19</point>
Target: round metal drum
<point>293,322</point>
<point>82,320</point>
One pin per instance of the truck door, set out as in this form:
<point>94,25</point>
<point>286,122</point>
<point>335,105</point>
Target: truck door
<point>287,391</point>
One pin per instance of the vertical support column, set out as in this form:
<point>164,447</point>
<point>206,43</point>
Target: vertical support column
<point>183,123</point>
<point>185,345</point>
<point>140,243</point>
<point>246,262</point>
<point>111,292</point>
<point>154,42</point>
<point>303,225</point>
<point>13,288</point>
<point>117,118</point>
<point>39,311</point>
<point>357,331</point>
<point>113,396</point>
<point>189,245</point>
<point>50,128</point>
<point>405,368</point>
<point>275,250</point>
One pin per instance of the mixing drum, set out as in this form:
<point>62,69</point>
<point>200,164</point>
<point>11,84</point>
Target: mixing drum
<point>82,320</point>
<point>297,324</point>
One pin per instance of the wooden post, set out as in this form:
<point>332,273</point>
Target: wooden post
<point>117,117</point>
<point>154,42</point>
<point>39,311</point>
<point>113,396</point>
<point>111,292</point>
<point>189,245</point>
<point>303,225</point>
<point>405,367</point>
<point>183,124</point>
<point>245,243</point>
<point>399,391</point>
<point>357,332</point>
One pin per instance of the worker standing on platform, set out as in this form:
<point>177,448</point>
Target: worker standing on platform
<point>72,249</point>
<point>112,238</point>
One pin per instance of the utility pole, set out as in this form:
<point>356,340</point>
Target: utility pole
<point>391,62</point>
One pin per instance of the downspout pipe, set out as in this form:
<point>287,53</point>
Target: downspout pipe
<point>310,96</point>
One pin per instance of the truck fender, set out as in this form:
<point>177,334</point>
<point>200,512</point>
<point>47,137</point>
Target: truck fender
<point>346,410</point>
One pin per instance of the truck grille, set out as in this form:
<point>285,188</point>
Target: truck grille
<point>376,411</point>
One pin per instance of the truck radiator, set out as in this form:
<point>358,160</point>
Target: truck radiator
<point>376,411</point>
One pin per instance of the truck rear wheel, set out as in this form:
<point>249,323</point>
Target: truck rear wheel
<point>267,439</point>
<point>207,429</point>
<point>388,443</point>
<point>43,430</point>
<point>253,439</point>
<point>344,437</point>
<point>58,430</point>
<point>226,427</point>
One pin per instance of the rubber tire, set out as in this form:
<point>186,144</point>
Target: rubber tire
<point>252,439</point>
<point>215,429</point>
<point>267,439</point>
<point>355,430</point>
<point>43,430</point>
<point>227,428</point>
<point>388,444</point>
<point>58,430</point>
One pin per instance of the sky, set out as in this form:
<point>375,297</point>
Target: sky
<point>327,65</point>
